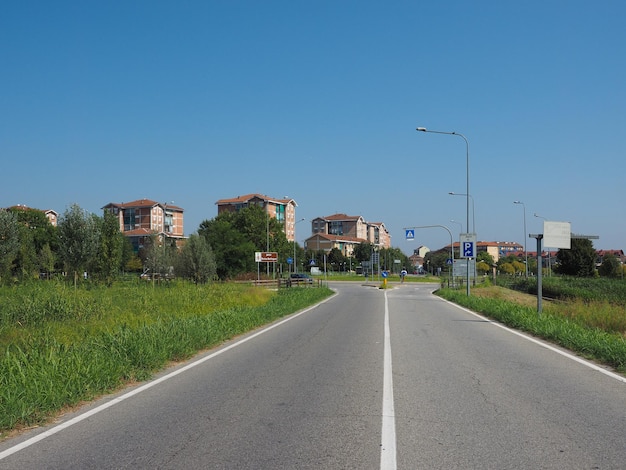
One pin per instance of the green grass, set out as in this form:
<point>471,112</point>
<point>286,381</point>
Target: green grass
<point>62,346</point>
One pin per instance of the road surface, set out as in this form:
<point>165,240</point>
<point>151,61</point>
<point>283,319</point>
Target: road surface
<point>369,379</point>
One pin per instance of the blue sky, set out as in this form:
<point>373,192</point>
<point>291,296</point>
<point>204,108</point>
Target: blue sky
<point>195,101</point>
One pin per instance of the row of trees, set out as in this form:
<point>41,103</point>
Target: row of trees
<point>222,247</point>
<point>30,246</point>
<point>235,236</point>
<point>580,260</point>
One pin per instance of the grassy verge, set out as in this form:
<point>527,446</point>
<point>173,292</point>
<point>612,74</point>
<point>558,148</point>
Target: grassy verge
<point>574,325</point>
<point>61,346</point>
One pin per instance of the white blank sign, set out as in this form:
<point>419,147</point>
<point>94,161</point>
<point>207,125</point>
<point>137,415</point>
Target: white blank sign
<point>557,234</point>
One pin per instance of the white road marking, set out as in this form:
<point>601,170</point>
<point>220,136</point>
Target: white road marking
<point>573,357</point>
<point>143,388</point>
<point>388,438</point>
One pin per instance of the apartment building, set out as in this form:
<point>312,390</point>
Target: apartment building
<point>144,217</point>
<point>344,232</point>
<point>283,210</point>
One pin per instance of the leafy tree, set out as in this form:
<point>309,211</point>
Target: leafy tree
<point>579,260</point>
<point>35,231</point>
<point>336,259</point>
<point>9,242</point>
<point>506,268</point>
<point>435,260</point>
<point>195,261</point>
<point>78,237</point>
<point>26,263</point>
<point>482,267</point>
<point>233,251</point>
<point>234,237</point>
<point>108,260</point>
<point>363,252</point>
<point>158,255</point>
<point>41,229</point>
<point>130,261</point>
<point>484,257</point>
<point>47,260</point>
<point>611,266</point>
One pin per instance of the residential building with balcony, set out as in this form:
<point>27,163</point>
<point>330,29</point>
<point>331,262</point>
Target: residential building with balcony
<point>344,232</point>
<point>283,210</point>
<point>144,217</point>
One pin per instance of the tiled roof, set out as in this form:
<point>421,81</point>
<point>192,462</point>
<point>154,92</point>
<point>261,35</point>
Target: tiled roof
<point>143,203</point>
<point>338,238</point>
<point>248,197</point>
<point>342,217</point>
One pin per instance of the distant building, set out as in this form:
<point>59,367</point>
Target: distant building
<point>417,258</point>
<point>344,232</point>
<point>283,210</point>
<point>144,217</point>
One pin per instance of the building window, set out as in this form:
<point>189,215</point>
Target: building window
<point>280,213</point>
<point>129,219</point>
<point>336,228</point>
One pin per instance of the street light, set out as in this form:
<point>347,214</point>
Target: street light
<point>525,250</point>
<point>467,186</point>
<point>295,265</point>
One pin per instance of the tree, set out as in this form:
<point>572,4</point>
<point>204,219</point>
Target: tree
<point>35,232</point>
<point>9,242</point>
<point>78,236</point>
<point>363,252</point>
<point>233,251</point>
<point>195,261</point>
<point>108,260</point>
<point>579,260</point>
<point>234,237</point>
<point>47,260</point>
<point>158,255</point>
<point>611,266</point>
<point>336,259</point>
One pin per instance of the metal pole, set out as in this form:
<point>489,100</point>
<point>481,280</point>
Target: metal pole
<point>525,250</point>
<point>539,237</point>
<point>467,189</point>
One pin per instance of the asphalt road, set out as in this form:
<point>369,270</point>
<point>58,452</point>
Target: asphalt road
<point>368,379</point>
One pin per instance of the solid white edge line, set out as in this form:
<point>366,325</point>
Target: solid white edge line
<point>388,434</point>
<point>543,344</point>
<point>115,401</point>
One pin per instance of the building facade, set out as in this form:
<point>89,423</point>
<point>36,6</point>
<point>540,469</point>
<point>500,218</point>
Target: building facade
<point>144,217</point>
<point>283,210</point>
<point>344,232</point>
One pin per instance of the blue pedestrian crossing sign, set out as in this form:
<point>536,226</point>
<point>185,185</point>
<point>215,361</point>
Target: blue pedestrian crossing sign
<point>409,234</point>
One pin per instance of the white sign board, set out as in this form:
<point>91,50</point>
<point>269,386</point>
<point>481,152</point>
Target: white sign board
<point>557,234</point>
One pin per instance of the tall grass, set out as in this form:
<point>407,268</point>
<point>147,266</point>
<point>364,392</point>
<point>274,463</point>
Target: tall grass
<point>567,288</point>
<point>62,346</point>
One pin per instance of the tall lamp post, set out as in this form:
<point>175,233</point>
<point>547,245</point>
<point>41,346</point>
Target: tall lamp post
<point>467,186</point>
<point>525,250</point>
<point>295,265</point>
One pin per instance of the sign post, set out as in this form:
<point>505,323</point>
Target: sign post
<point>265,257</point>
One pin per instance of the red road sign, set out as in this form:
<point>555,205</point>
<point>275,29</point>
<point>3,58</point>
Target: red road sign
<point>266,257</point>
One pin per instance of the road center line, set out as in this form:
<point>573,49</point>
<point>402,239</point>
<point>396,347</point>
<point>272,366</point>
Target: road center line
<point>388,438</point>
